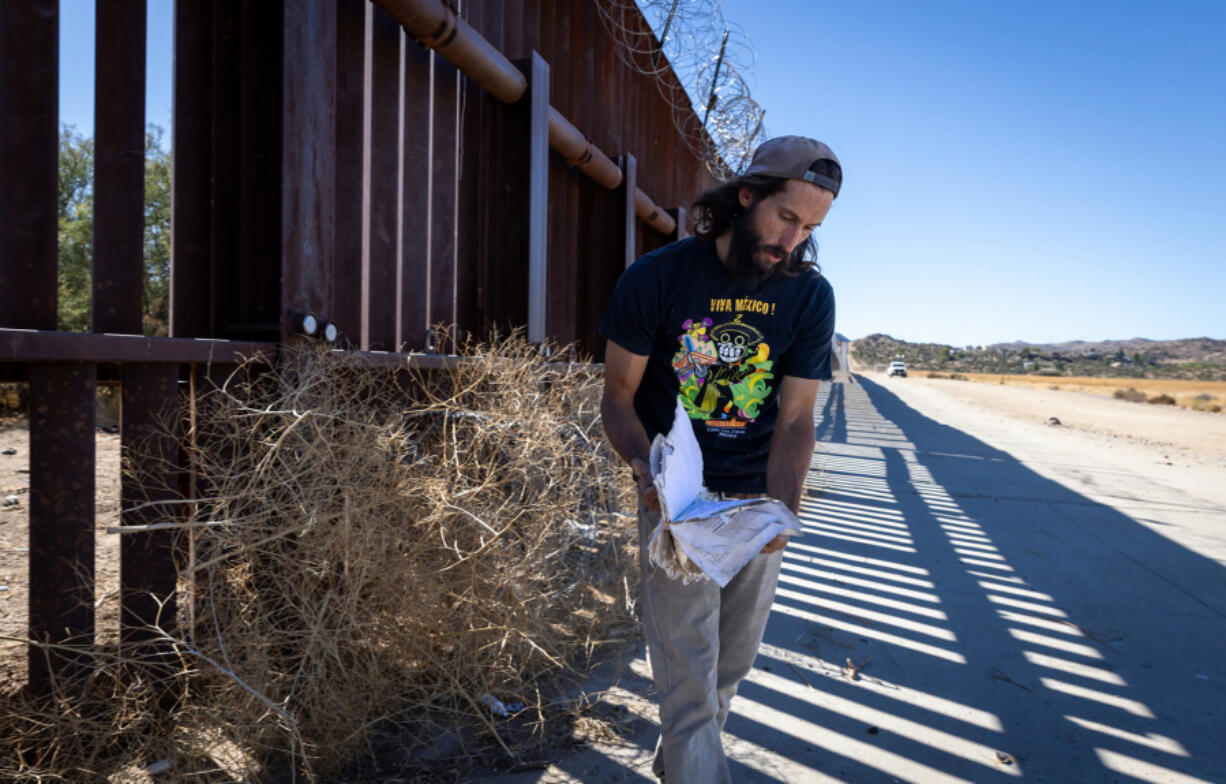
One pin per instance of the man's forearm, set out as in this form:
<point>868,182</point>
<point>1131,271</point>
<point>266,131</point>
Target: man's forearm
<point>790,455</point>
<point>624,430</point>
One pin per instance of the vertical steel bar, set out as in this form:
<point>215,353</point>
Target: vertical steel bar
<point>629,180</point>
<point>61,517</point>
<point>191,211</point>
<point>415,226</point>
<point>680,215</point>
<point>29,137</point>
<point>537,233</point>
<point>119,166</point>
<point>308,155</point>
<point>150,404</point>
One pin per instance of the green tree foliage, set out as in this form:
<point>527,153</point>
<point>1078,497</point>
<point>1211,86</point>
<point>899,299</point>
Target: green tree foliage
<point>76,226</point>
<point>157,234</point>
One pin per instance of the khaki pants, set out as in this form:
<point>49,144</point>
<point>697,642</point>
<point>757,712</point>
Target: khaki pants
<point>702,641</point>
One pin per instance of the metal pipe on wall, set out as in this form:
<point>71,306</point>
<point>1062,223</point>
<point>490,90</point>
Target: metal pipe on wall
<point>579,151</point>
<point>434,25</point>
<point>651,214</point>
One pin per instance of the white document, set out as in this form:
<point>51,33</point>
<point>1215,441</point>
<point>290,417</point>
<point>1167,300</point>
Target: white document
<point>699,535</point>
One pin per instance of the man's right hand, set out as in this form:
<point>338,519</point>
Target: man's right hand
<point>642,480</point>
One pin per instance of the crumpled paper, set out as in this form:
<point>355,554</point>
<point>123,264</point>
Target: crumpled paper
<point>699,535</point>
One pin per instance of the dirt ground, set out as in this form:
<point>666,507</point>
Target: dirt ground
<point>14,540</point>
<point>1194,436</point>
<point>1200,395</point>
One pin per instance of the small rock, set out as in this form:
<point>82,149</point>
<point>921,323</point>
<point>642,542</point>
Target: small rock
<point>9,451</point>
<point>1004,759</point>
<point>11,500</point>
<point>872,730</point>
<point>1053,421</point>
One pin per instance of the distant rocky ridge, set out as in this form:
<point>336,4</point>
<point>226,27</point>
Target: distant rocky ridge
<point>1192,358</point>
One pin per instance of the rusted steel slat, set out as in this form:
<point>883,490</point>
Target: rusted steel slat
<point>415,223</point>
<point>150,404</point>
<point>383,155</point>
<point>474,184</point>
<point>61,609</point>
<point>29,134</point>
<point>119,166</point>
<point>444,185</point>
<point>308,155</point>
<point>191,246</point>
<point>346,306</point>
<point>225,176</point>
<point>254,274</point>
<point>564,274</point>
<point>513,29</point>
<point>21,345</point>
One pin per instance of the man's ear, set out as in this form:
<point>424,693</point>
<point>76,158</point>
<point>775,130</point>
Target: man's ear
<point>747,197</point>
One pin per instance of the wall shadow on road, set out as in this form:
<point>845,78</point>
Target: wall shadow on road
<point>952,615</point>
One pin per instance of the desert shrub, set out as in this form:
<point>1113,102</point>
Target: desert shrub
<point>1132,394</point>
<point>937,375</point>
<point>371,548</point>
<point>1203,402</point>
<point>14,398</point>
<point>958,377</point>
<point>1162,400</point>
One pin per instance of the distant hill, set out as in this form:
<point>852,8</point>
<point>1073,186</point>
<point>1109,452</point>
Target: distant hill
<point>1193,358</point>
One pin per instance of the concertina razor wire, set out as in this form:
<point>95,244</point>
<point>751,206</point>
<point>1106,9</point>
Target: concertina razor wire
<point>712,108</point>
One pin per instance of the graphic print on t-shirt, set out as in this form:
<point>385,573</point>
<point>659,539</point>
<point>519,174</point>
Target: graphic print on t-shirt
<point>723,369</point>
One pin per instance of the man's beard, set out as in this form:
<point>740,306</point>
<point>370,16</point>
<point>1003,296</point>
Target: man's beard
<point>743,251</point>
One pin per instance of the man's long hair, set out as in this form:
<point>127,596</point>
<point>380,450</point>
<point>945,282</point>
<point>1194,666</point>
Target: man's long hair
<point>717,208</point>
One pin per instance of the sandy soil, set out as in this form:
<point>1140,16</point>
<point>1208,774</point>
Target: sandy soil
<point>1196,436</point>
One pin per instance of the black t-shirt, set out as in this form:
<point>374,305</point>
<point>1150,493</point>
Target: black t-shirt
<point>723,347</point>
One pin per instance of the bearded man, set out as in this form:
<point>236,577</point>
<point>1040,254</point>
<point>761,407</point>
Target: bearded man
<point>737,323</point>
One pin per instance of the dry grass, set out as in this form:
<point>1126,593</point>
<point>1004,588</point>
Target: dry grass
<point>1198,395</point>
<point>363,558</point>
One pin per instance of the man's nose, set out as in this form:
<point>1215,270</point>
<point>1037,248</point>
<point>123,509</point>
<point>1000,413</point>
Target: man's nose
<point>791,238</point>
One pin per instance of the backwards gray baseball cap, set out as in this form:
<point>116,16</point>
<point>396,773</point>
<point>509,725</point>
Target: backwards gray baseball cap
<point>792,157</point>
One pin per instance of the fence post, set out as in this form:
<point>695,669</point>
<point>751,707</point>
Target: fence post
<point>151,454</point>
<point>62,400</point>
<point>29,136</point>
<point>119,167</point>
<point>191,215</point>
<point>308,157</point>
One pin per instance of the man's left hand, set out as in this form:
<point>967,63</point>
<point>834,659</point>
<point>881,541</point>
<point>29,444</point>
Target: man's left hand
<point>778,543</point>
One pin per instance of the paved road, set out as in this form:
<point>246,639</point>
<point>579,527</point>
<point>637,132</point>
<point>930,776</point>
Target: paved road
<point>1017,610</point>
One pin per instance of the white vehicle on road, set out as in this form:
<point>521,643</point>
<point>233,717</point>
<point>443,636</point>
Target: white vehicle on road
<point>897,369</point>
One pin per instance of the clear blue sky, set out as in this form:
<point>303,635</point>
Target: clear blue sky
<point>1040,171</point>
<point>77,64</point>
